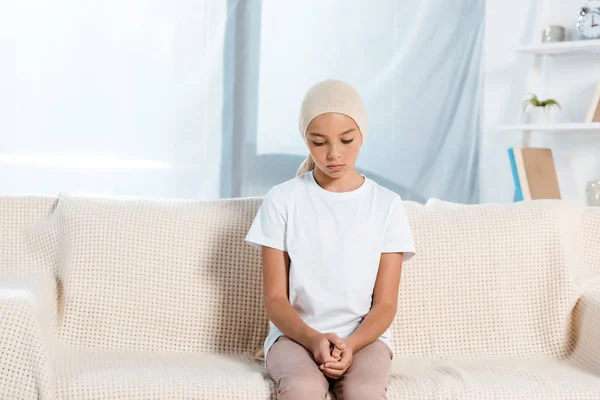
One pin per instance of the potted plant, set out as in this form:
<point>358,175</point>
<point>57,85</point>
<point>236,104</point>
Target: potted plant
<point>539,111</point>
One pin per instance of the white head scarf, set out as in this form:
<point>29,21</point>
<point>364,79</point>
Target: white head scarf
<point>330,96</point>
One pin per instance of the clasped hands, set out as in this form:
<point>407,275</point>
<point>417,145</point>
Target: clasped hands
<point>332,353</point>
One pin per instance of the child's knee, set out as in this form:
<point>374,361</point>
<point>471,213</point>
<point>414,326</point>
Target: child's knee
<point>303,386</point>
<point>362,390</point>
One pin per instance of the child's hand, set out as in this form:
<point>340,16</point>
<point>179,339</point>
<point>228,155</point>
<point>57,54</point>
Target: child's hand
<point>335,370</point>
<point>336,352</point>
<point>320,347</point>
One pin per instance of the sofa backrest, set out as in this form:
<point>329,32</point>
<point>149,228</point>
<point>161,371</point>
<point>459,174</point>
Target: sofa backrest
<point>490,280</point>
<point>19,217</point>
<point>590,234</point>
<point>143,274</point>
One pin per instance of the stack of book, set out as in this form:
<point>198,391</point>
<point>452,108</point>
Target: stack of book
<point>534,173</point>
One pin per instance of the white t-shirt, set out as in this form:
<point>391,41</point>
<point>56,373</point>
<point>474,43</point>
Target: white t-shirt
<point>334,241</point>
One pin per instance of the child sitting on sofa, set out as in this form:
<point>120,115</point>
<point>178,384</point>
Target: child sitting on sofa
<point>333,243</point>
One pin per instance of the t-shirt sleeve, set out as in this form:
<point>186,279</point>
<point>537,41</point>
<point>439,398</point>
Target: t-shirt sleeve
<point>269,225</point>
<point>398,236</point>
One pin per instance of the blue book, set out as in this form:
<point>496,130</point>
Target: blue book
<point>518,192</point>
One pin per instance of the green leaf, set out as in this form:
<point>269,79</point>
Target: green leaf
<point>534,101</point>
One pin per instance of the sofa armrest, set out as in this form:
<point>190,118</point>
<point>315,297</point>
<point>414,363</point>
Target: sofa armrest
<point>27,337</point>
<point>586,329</point>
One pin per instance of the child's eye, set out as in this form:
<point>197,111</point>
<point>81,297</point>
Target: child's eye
<point>318,144</point>
<point>347,141</point>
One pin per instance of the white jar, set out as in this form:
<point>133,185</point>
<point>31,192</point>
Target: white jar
<point>593,193</point>
<point>539,115</point>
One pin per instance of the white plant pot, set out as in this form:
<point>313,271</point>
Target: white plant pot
<point>540,115</point>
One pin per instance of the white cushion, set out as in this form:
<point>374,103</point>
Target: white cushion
<point>135,375</point>
<point>590,230</point>
<point>19,218</point>
<point>490,280</point>
<point>145,274</point>
<point>143,375</point>
<point>539,379</point>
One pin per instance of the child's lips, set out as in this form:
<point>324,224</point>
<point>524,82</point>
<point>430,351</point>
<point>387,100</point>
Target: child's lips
<point>336,167</point>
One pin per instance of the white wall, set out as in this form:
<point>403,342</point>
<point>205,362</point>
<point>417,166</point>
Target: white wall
<point>570,79</point>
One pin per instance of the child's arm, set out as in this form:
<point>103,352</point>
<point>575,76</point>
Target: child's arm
<point>279,310</point>
<point>379,318</point>
<point>385,303</point>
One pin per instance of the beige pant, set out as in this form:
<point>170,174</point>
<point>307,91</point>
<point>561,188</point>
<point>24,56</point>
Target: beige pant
<point>297,375</point>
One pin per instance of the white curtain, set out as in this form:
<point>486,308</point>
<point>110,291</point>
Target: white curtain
<point>200,98</point>
<point>117,97</point>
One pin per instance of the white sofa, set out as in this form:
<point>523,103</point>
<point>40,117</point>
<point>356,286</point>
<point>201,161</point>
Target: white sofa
<point>124,298</point>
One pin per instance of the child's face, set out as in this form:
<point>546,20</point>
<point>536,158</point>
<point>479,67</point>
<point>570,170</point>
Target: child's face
<point>334,142</point>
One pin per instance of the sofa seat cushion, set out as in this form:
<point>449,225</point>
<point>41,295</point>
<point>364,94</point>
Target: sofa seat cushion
<point>165,376</point>
<point>154,375</point>
<point>542,379</point>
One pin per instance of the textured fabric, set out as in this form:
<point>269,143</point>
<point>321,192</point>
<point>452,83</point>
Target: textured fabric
<point>158,274</point>
<point>298,377</point>
<point>327,96</point>
<point>19,216</point>
<point>502,302</point>
<point>486,278</point>
<point>586,333</point>
<point>134,375</point>
<point>334,241</point>
<point>26,338</point>
<point>479,379</point>
<point>589,276</point>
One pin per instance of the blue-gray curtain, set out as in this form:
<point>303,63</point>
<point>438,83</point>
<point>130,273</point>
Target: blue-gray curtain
<point>416,64</point>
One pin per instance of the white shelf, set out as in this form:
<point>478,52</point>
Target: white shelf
<point>593,127</point>
<point>562,48</point>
